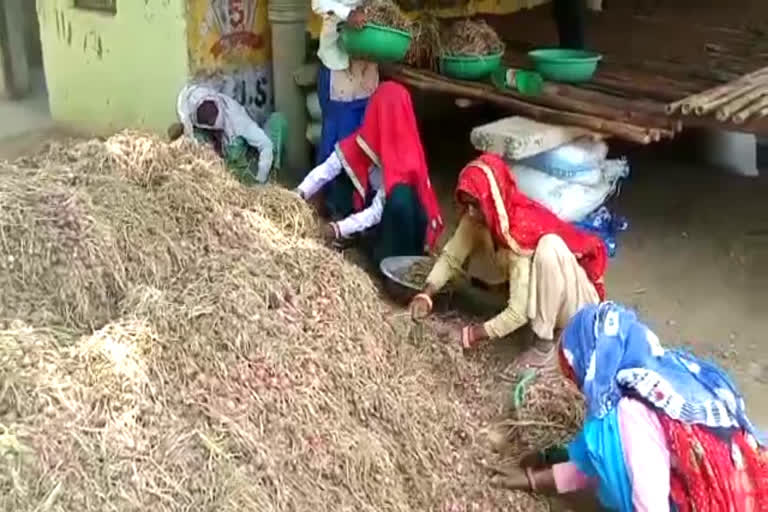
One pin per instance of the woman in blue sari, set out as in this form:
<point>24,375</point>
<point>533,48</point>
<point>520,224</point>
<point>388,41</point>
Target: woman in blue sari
<point>664,429</point>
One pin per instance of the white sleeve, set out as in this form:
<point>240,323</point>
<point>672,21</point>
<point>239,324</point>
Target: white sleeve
<point>323,7</point>
<point>358,222</point>
<point>244,126</point>
<point>320,175</point>
<point>257,138</point>
<point>183,109</point>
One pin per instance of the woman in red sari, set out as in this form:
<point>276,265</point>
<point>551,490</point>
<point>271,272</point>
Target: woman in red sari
<point>390,195</point>
<point>553,269</point>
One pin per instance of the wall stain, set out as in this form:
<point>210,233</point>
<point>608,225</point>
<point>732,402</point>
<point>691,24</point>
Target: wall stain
<point>96,44</point>
<point>63,27</point>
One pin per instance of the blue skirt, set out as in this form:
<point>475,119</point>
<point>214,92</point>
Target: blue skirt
<point>340,119</point>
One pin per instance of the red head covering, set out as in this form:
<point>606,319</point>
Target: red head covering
<point>517,222</point>
<point>389,138</point>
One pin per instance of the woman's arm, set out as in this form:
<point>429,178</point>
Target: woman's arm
<point>516,313</point>
<point>453,255</point>
<point>257,138</point>
<point>359,222</point>
<point>319,176</point>
<point>448,265</point>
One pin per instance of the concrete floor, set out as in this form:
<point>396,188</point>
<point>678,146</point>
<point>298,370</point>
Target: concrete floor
<point>29,114</point>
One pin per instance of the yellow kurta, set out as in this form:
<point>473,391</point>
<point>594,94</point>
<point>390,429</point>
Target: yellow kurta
<point>547,287</point>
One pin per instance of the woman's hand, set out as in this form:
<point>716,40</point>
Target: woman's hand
<point>421,306</point>
<point>175,131</point>
<point>330,231</point>
<point>472,335</point>
<point>514,478</point>
<point>356,19</point>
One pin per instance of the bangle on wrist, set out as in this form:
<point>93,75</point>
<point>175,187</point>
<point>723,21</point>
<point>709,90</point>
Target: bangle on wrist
<point>336,231</point>
<point>425,297</point>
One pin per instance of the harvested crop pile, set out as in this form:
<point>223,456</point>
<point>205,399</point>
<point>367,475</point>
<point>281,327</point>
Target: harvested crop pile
<point>386,13</point>
<point>425,45</point>
<point>170,340</point>
<point>547,411</point>
<point>472,39</point>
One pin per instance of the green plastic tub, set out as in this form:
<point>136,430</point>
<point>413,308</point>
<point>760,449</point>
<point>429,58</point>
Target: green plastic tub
<point>559,65</point>
<point>469,68</point>
<point>376,43</point>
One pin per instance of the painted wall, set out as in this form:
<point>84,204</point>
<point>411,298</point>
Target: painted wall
<point>229,49</point>
<point>107,72</point>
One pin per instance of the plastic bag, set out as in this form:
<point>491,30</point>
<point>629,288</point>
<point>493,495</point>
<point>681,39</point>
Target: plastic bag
<point>607,225</point>
<point>570,201</point>
<point>578,161</point>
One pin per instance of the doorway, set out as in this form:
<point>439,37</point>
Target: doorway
<point>24,105</point>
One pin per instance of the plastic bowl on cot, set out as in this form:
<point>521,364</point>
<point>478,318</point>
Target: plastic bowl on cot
<point>395,271</point>
<point>562,65</point>
<point>470,67</point>
<point>376,43</point>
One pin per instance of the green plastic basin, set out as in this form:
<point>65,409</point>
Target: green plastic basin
<point>561,65</point>
<point>376,43</point>
<point>466,67</point>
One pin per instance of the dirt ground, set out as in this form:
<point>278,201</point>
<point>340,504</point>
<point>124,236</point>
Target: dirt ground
<point>694,262</point>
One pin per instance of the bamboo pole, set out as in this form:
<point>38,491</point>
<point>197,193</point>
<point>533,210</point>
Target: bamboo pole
<point>695,102</point>
<point>572,99</point>
<point>728,109</point>
<point>710,106</point>
<point>627,82</point>
<point>621,130</point>
<point>751,110</point>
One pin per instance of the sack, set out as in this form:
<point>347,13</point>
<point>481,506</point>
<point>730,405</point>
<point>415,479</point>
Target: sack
<point>313,107</point>
<point>578,161</point>
<point>314,132</point>
<point>570,201</point>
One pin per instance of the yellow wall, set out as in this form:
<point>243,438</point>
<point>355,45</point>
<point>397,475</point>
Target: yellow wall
<point>229,48</point>
<point>106,72</point>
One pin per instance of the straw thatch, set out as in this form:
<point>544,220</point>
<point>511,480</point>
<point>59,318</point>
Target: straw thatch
<point>170,340</point>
